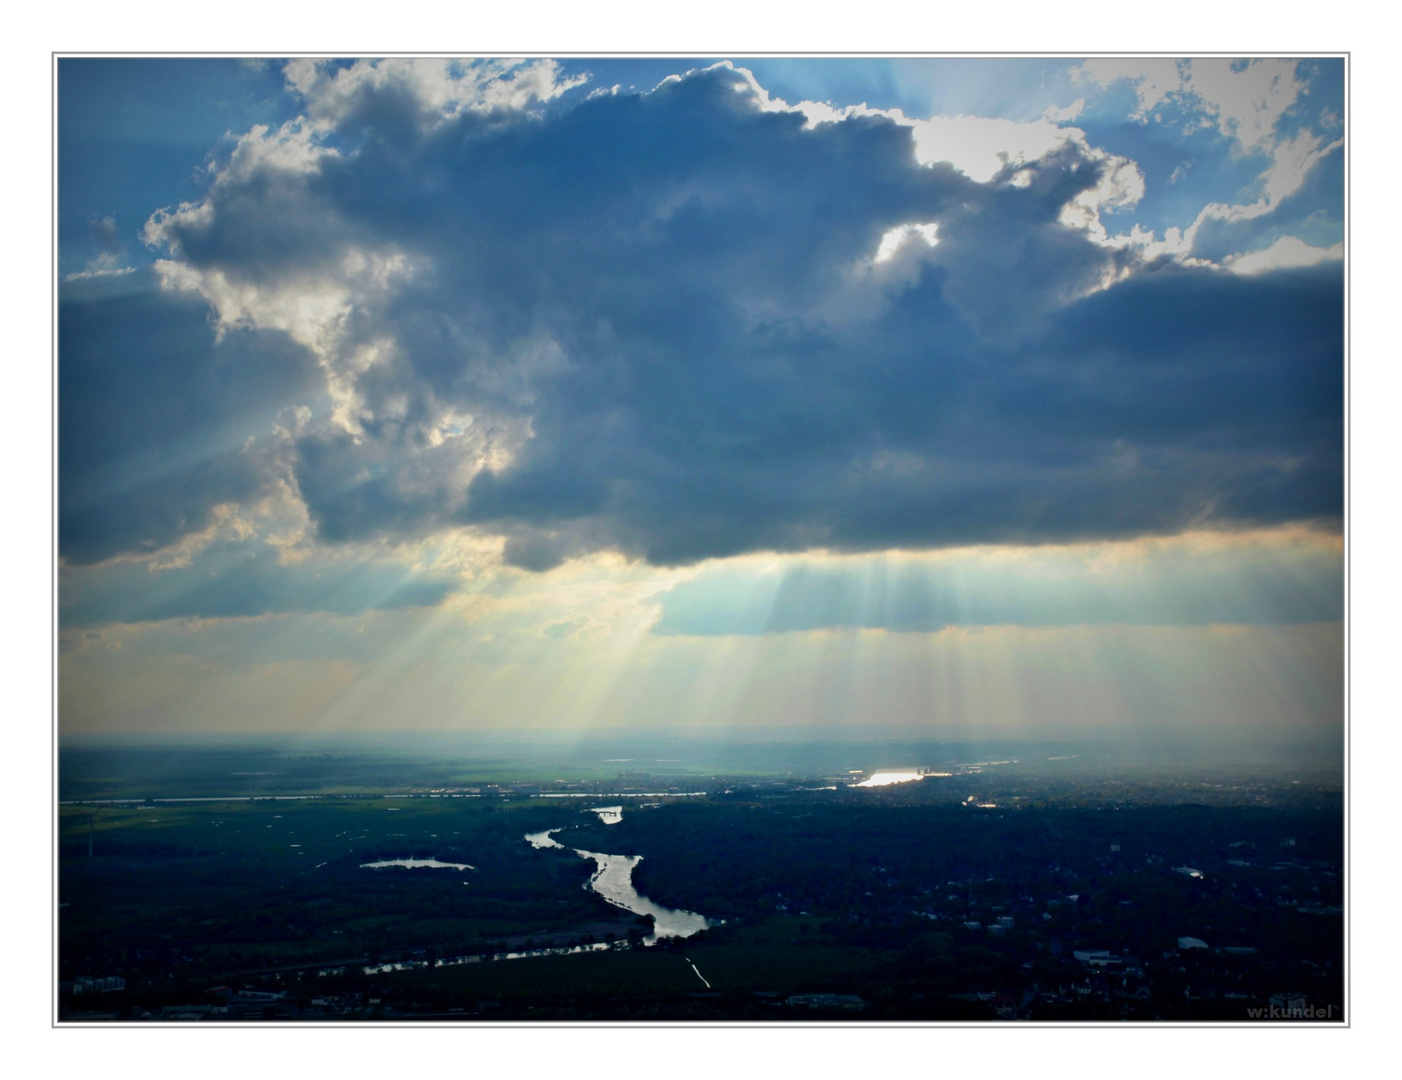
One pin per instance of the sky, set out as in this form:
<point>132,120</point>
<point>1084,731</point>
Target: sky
<point>960,397</point>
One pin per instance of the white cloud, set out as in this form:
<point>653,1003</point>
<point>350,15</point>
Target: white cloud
<point>317,303</point>
<point>1065,115</point>
<point>440,89</point>
<point>292,148</point>
<point>97,270</point>
<point>895,239</point>
<point>1293,159</point>
<point>160,228</point>
<point>1244,100</point>
<point>980,147</point>
<point>1153,79</point>
<point>816,112</point>
<point>1121,184</point>
<point>312,308</point>
<point>1287,252</point>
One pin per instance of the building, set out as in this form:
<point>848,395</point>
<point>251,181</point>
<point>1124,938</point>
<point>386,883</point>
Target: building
<point>85,985</point>
<point>849,1002</point>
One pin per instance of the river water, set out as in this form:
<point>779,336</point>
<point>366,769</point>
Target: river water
<point>613,880</point>
<point>482,958</point>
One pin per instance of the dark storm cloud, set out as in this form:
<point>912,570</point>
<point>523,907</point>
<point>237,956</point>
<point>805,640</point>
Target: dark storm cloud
<point>1181,396</point>
<point>670,298</point>
<point>349,483</point>
<point>155,415</point>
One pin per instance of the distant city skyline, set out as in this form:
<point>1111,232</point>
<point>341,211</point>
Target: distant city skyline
<point>969,397</point>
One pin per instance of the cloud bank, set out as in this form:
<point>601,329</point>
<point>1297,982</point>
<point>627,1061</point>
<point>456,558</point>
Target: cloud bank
<point>696,323</point>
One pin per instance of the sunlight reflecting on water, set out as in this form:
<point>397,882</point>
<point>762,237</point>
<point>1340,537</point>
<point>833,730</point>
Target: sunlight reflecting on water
<point>893,776</point>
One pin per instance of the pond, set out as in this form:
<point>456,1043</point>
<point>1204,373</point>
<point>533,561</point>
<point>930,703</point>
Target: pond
<point>415,864</point>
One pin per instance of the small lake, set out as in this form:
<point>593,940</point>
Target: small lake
<point>415,864</point>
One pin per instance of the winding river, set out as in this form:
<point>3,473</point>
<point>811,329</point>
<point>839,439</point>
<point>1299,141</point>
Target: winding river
<point>613,880</point>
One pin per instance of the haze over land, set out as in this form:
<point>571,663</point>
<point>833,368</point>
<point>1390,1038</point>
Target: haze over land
<point>973,399</point>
